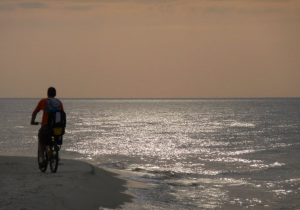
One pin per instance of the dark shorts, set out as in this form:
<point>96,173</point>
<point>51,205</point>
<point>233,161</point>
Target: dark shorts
<point>43,134</point>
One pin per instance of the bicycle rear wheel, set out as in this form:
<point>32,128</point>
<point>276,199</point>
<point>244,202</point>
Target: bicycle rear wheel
<point>42,167</point>
<point>54,158</point>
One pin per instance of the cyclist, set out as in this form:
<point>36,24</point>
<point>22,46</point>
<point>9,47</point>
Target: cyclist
<point>48,105</point>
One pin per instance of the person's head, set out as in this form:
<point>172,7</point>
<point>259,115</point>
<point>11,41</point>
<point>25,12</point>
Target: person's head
<point>51,92</point>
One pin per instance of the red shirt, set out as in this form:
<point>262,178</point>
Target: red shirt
<point>42,106</point>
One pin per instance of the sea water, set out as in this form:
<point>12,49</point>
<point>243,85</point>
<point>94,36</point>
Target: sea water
<point>191,153</point>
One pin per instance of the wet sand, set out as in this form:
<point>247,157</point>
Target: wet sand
<point>76,185</point>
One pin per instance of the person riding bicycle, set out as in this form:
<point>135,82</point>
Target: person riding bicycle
<point>48,105</point>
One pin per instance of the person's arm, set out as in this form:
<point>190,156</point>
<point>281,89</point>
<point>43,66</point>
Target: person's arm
<point>34,113</point>
<point>33,116</point>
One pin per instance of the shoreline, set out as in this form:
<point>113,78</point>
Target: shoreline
<point>76,185</point>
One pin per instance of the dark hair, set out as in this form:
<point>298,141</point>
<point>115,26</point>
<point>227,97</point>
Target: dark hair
<point>51,92</point>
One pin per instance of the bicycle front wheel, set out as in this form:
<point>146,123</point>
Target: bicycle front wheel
<point>54,158</point>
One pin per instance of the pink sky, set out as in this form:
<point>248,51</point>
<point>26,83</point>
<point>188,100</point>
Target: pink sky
<point>150,48</point>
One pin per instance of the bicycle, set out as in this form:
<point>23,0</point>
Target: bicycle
<point>51,154</point>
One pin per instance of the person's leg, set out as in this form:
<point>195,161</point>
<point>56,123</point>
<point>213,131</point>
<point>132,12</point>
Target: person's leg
<point>41,142</point>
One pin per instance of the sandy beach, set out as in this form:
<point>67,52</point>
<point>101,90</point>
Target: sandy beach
<point>76,185</point>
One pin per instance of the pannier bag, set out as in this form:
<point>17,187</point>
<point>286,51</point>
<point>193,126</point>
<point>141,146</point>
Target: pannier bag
<point>57,123</point>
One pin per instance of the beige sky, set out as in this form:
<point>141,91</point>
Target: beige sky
<point>150,48</point>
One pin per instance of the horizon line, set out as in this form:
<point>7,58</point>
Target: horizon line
<point>171,98</point>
